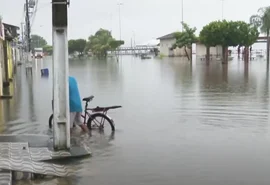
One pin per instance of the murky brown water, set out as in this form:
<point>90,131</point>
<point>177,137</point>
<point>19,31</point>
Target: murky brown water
<point>181,123</point>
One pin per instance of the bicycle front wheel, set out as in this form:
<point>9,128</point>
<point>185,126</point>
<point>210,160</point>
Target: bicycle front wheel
<point>100,121</point>
<point>51,121</point>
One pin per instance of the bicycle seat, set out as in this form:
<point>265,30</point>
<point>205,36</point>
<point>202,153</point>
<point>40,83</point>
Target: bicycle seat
<point>88,99</point>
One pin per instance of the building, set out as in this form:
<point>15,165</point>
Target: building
<point>166,43</point>
<point>10,45</point>
<point>2,36</point>
<point>8,51</point>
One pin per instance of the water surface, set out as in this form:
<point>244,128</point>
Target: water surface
<point>181,122</point>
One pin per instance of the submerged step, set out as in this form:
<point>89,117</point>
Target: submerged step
<point>17,157</point>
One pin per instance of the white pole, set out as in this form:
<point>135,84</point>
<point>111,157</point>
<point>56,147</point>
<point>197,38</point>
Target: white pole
<point>182,15</point>
<point>61,126</point>
<point>134,39</point>
<point>111,20</point>
<point>120,27</point>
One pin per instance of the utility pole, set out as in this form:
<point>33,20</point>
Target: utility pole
<point>22,37</point>
<point>131,46</point>
<point>182,15</point>
<point>134,38</point>
<point>111,20</point>
<point>28,41</point>
<point>119,11</point>
<point>61,119</point>
<point>22,40</point>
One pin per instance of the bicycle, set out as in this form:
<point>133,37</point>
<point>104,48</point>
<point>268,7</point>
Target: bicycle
<point>93,114</point>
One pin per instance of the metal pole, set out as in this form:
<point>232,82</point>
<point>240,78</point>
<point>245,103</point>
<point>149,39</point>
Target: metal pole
<point>22,41</point>
<point>119,9</point>
<point>134,39</point>
<point>61,126</point>
<point>28,46</point>
<point>111,21</point>
<point>182,15</point>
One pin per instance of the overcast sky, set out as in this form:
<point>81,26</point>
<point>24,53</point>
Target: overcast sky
<point>144,19</point>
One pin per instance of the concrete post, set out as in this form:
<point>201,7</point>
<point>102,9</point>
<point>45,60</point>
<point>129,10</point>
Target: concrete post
<point>61,126</point>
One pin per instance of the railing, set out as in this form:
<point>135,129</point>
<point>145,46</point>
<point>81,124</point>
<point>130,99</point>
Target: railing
<point>137,48</point>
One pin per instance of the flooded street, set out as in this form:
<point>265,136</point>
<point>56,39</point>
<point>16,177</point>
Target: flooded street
<point>181,123</point>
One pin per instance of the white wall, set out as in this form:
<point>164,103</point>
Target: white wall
<point>214,51</point>
<point>166,44</point>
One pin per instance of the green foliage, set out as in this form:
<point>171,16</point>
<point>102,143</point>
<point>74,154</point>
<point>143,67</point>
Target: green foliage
<point>37,42</point>
<point>48,49</point>
<point>248,34</point>
<point>232,33</point>
<point>228,33</point>
<point>102,42</point>
<point>210,34</point>
<point>217,33</point>
<point>76,46</point>
<point>185,38</point>
<point>114,44</point>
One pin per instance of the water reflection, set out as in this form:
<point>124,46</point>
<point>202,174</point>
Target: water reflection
<point>31,95</point>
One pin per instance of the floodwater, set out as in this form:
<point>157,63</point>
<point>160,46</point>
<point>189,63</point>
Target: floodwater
<point>181,123</point>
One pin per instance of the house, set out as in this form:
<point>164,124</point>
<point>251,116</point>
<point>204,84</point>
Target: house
<point>10,43</point>
<point>2,36</point>
<point>166,43</point>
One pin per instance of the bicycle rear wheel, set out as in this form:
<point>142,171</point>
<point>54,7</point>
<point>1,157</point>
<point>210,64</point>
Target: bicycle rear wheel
<point>99,120</point>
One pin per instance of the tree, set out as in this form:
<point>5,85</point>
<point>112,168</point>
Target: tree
<point>262,21</point>
<point>210,36</point>
<point>102,42</point>
<point>248,35</point>
<point>37,42</point>
<point>229,37</point>
<point>185,39</point>
<point>114,44</point>
<point>48,49</point>
<point>76,46</point>
<point>223,33</point>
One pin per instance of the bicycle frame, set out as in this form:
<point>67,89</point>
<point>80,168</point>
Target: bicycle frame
<point>92,113</point>
<point>84,116</point>
<point>86,113</point>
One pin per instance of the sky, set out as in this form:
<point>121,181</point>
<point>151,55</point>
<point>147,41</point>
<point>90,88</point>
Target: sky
<point>141,20</point>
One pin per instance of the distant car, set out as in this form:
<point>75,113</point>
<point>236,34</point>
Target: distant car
<point>38,56</point>
<point>38,52</point>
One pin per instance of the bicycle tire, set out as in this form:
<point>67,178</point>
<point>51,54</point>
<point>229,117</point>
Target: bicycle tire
<point>50,121</point>
<point>93,116</point>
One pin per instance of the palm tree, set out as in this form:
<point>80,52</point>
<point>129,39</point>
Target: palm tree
<point>262,21</point>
